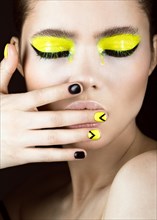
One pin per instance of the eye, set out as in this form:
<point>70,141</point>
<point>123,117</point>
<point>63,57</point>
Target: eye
<point>122,45</point>
<point>49,55</point>
<point>116,53</point>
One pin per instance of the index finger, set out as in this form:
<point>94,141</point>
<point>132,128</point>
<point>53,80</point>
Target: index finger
<point>48,95</point>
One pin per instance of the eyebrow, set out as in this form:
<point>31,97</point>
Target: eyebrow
<point>68,34</point>
<point>55,33</point>
<point>117,31</point>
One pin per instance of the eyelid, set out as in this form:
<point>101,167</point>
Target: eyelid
<point>121,42</point>
<point>49,44</point>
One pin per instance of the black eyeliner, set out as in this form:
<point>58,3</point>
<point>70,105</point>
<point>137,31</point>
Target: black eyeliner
<point>119,54</point>
<point>48,55</point>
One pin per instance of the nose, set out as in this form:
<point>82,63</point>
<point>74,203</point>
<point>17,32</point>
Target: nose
<point>86,69</point>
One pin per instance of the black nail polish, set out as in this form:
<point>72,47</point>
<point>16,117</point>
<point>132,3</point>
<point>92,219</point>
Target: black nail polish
<point>74,89</point>
<point>79,155</point>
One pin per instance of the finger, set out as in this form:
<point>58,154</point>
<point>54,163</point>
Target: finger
<point>7,67</point>
<point>50,119</point>
<point>44,96</point>
<point>52,154</point>
<point>55,137</point>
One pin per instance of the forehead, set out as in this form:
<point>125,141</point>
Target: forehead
<point>85,15</point>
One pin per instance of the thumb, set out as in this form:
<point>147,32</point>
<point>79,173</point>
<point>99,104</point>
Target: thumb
<point>8,66</point>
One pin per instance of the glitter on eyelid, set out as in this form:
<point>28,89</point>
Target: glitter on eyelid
<point>49,44</point>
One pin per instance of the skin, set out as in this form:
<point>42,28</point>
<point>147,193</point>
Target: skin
<point>119,86</point>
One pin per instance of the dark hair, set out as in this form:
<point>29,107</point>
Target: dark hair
<point>150,8</point>
<point>23,7</point>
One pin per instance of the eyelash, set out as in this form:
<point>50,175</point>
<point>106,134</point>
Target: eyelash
<point>119,54</point>
<point>63,54</point>
<point>56,55</point>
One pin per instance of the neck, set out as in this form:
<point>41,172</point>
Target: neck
<point>98,170</point>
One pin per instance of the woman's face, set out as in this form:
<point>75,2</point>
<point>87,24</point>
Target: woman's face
<point>116,83</point>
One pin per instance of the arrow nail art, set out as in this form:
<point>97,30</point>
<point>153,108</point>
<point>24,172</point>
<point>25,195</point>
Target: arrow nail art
<point>100,117</point>
<point>94,135</point>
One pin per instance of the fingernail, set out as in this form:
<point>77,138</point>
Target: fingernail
<point>6,51</point>
<point>94,135</point>
<point>79,155</point>
<point>74,89</point>
<point>100,116</point>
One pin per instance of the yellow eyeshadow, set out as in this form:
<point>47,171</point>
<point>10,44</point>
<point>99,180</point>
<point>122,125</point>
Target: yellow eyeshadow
<point>121,42</point>
<point>49,44</point>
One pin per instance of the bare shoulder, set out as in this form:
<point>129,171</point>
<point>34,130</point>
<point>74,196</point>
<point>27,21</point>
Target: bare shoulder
<point>143,163</point>
<point>133,192</point>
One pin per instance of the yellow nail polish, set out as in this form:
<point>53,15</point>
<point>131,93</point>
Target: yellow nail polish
<point>100,117</point>
<point>6,51</point>
<point>94,135</point>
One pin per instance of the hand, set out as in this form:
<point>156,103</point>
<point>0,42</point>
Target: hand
<point>22,126</point>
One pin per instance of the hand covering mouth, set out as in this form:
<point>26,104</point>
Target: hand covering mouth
<point>85,105</point>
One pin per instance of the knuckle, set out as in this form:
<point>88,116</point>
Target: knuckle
<point>38,94</point>
<point>51,138</point>
<point>43,94</point>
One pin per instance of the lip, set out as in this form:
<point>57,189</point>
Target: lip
<point>84,105</point>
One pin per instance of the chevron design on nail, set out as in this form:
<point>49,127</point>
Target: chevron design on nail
<point>100,117</point>
<point>91,135</point>
<point>94,134</point>
<point>103,117</point>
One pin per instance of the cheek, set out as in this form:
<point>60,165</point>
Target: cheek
<point>135,81</point>
<point>129,88</point>
<point>126,81</point>
<point>41,73</point>
<point>132,88</point>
